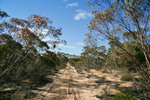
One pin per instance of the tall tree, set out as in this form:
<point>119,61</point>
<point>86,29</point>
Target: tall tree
<point>92,56</point>
<point>30,34</point>
<point>114,17</point>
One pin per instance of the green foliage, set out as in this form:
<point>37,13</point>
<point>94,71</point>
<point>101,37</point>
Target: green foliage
<point>5,96</point>
<point>117,56</point>
<point>114,22</point>
<point>140,56</point>
<point>93,55</point>
<point>18,96</point>
<point>46,60</point>
<point>24,42</point>
<point>24,54</point>
<point>97,67</point>
<point>63,59</point>
<point>126,77</point>
<point>117,64</point>
<point>3,14</point>
<point>37,79</point>
<point>122,96</point>
<point>73,61</point>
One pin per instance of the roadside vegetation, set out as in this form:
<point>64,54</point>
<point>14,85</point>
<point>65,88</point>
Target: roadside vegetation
<point>26,58</point>
<point>125,25</point>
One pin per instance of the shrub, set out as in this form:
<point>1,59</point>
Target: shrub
<point>37,79</point>
<point>122,96</point>
<point>62,66</point>
<point>5,96</point>
<point>18,96</point>
<point>126,77</point>
<point>97,67</point>
<point>105,71</point>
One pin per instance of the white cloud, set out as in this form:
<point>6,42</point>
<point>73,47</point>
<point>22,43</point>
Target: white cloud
<point>72,5</point>
<point>66,46</point>
<point>48,39</point>
<point>79,43</point>
<point>38,31</point>
<point>65,0</point>
<point>82,14</point>
<point>76,49</point>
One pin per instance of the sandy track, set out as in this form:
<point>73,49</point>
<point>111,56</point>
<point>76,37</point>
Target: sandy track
<point>71,85</point>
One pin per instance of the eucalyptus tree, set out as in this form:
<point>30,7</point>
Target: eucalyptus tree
<point>111,18</point>
<point>92,56</point>
<point>29,34</point>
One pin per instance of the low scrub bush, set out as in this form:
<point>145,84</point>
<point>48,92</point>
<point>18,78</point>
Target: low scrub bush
<point>5,96</point>
<point>126,77</point>
<point>122,96</point>
<point>105,71</point>
<point>97,67</point>
<point>18,96</point>
<point>37,79</point>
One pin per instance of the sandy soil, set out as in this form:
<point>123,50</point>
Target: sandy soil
<point>71,85</point>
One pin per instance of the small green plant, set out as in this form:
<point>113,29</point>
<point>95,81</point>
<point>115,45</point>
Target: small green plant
<point>18,96</point>
<point>126,77</point>
<point>122,96</point>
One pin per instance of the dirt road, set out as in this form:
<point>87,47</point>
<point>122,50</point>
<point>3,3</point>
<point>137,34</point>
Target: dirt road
<point>71,85</point>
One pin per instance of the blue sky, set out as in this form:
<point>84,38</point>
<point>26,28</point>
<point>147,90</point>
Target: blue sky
<point>73,16</point>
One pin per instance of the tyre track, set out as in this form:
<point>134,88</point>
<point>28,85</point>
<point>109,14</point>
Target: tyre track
<point>61,88</point>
